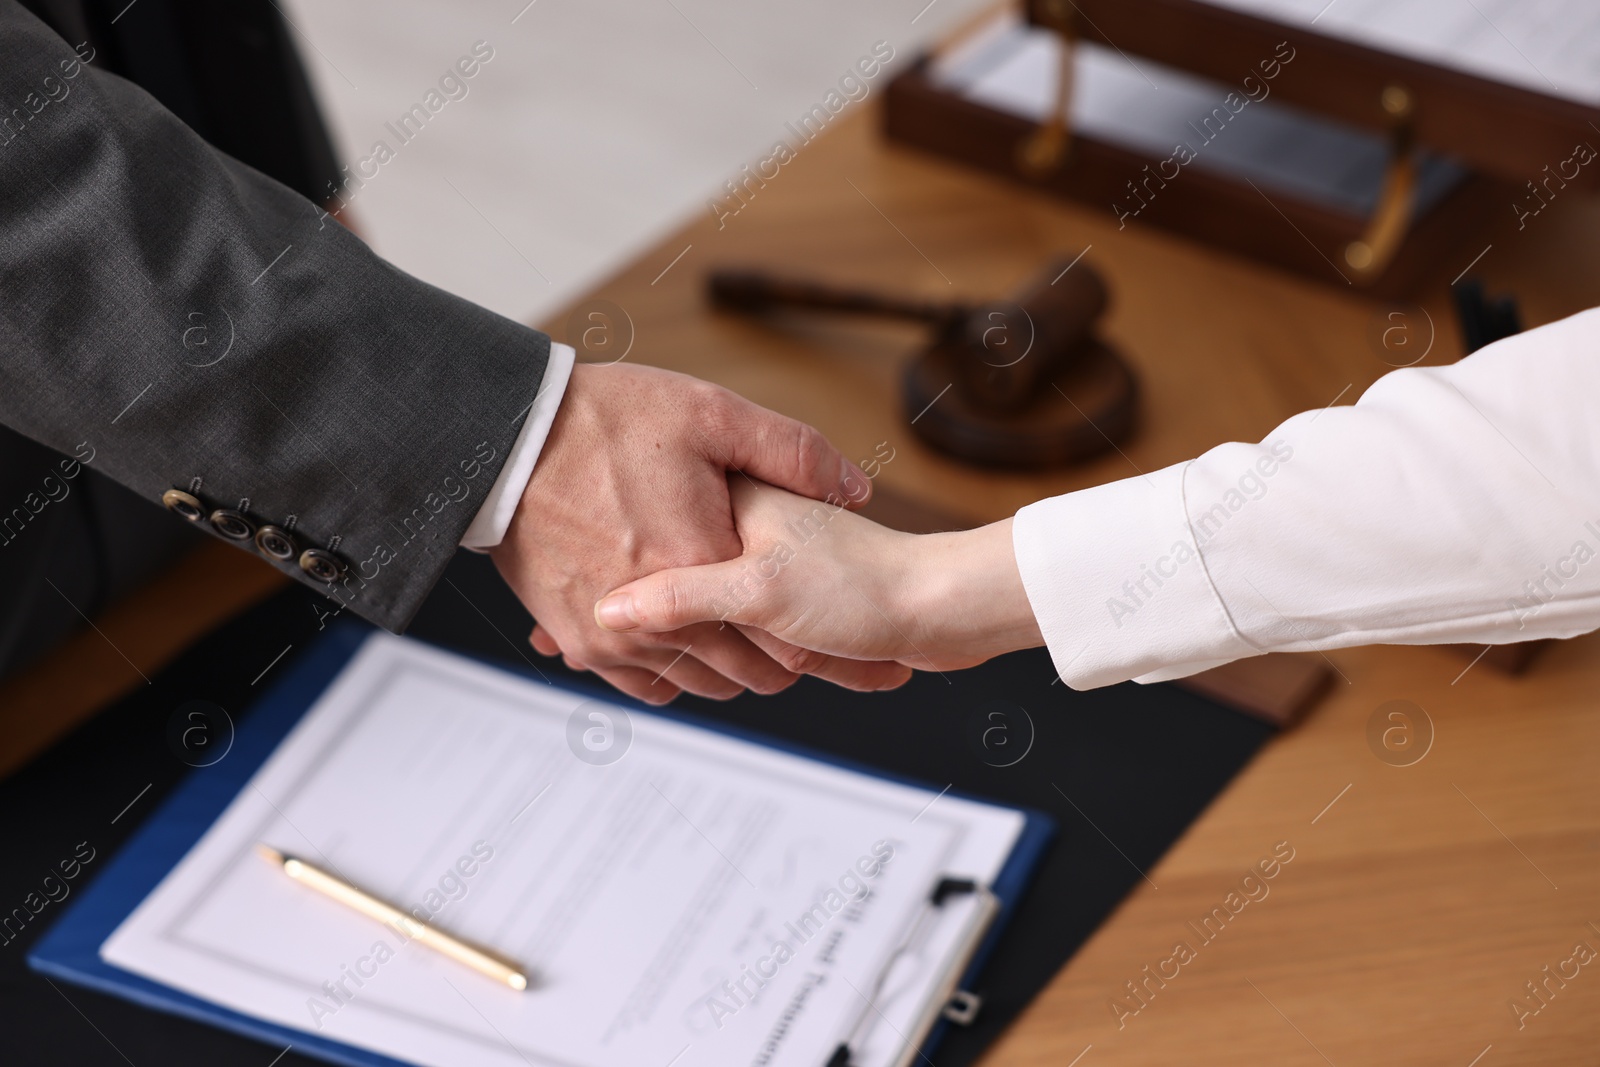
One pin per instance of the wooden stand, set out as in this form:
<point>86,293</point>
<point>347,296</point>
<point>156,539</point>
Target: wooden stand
<point>1505,134</point>
<point>1203,206</point>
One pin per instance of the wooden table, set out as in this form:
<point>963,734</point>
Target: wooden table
<point>1420,899</point>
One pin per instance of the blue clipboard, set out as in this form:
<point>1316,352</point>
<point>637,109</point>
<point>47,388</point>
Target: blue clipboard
<point>70,950</point>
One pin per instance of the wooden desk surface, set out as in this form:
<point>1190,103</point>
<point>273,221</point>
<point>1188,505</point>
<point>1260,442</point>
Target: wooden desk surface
<point>1420,899</point>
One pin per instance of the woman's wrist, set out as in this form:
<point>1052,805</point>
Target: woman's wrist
<point>967,594</point>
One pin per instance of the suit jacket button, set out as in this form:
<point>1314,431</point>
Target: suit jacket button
<point>232,525</point>
<point>321,565</point>
<point>186,504</point>
<point>275,542</point>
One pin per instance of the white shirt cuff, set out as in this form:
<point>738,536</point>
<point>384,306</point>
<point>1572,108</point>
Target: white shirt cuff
<point>1118,584</point>
<point>489,527</point>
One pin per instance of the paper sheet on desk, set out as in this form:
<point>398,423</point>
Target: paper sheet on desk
<point>633,891</point>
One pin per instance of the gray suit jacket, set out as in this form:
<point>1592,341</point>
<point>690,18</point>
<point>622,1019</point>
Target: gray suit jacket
<point>200,333</point>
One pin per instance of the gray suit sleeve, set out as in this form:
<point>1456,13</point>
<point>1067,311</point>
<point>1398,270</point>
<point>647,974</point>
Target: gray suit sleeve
<point>204,335</point>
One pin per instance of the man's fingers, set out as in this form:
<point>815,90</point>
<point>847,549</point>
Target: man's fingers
<point>861,675</point>
<point>689,673</point>
<point>673,599</point>
<point>730,653</point>
<point>543,643</point>
<point>657,674</point>
<point>866,676</point>
<point>677,672</point>
<point>640,684</point>
<point>785,452</point>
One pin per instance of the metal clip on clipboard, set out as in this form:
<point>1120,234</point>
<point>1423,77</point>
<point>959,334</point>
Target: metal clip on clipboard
<point>947,1001</point>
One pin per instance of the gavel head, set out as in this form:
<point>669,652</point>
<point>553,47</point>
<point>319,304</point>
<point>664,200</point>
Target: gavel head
<point>1020,384</point>
<point>1005,352</point>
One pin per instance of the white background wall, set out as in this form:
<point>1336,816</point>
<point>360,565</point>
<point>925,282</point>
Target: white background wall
<point>598,126</point>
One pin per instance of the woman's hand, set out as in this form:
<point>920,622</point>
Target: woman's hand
<point>824,579</point>
<point>633,479</point>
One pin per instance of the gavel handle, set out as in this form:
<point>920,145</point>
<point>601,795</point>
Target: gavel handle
<point>754,292</point>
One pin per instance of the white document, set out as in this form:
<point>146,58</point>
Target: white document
<point>1549,46</point>
<point>647,897</point>
<point>1151,109</point>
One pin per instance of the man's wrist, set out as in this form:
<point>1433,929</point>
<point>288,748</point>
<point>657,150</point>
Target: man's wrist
<point>494,516</point>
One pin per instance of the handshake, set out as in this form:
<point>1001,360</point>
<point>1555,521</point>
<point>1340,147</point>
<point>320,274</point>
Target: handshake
<point>676,537</point>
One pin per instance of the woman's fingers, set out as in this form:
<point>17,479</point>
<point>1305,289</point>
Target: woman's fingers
<point>671,600</point>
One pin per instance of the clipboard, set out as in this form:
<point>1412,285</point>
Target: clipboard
<point>70,950</point>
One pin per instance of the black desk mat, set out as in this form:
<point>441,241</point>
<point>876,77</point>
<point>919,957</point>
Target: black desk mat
<point>1123,770</point>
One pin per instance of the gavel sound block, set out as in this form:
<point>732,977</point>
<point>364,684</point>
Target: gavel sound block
<point>1022,383</point>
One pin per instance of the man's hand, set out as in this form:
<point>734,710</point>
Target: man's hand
<point>824,579</point>
<point>633,479</point>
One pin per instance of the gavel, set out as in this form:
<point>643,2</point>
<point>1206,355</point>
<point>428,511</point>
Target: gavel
<point>1030,385</point>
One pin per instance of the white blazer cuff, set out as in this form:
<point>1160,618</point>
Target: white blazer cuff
<point>1119,586</point>
<point>494,517</point>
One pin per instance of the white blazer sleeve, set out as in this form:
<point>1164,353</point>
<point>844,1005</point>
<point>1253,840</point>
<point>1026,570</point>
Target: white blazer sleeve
<point>1448,504</point>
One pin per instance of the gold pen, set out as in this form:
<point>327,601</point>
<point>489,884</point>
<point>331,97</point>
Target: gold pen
<point>331,885</point>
